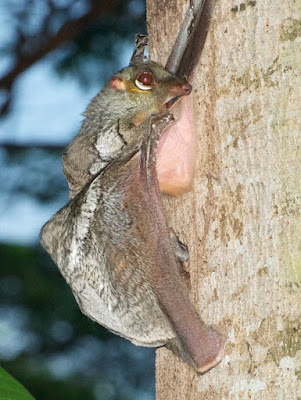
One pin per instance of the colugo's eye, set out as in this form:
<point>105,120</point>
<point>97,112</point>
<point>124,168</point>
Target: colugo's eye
<point>145,81</point>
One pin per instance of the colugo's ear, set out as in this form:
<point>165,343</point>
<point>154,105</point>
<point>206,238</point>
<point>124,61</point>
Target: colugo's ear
<point>117,83</point>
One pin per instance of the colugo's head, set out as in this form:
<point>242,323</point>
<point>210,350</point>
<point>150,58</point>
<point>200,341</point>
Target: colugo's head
<point>147,88</point>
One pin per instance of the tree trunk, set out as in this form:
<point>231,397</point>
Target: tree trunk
<point>242,220</point>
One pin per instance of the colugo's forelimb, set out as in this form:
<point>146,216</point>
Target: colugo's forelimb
<point>187,49</point>
<point>177,148</point>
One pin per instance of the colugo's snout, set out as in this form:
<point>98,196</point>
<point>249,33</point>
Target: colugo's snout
<point>183,89</point>
<point>186,89</point>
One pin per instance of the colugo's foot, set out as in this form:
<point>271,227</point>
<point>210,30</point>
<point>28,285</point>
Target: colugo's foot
<point>212,350</point>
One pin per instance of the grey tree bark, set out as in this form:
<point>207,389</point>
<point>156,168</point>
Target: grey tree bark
<point>242,220</point>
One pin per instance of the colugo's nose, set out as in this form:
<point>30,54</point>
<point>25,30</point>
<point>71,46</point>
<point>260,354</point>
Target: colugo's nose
<point>186,88</point>
<point>181,89</point>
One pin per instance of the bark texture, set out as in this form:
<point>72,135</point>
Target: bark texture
<point>242,220</point>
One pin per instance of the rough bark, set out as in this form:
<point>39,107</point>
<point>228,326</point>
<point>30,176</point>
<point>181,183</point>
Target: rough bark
<point>242,220</point>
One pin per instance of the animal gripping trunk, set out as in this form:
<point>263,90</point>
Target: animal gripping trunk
<point>197,344</point>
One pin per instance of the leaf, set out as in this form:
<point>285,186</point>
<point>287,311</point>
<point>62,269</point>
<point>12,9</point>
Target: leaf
<point>11,389</point>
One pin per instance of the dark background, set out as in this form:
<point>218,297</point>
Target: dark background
<point>54,56</point>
